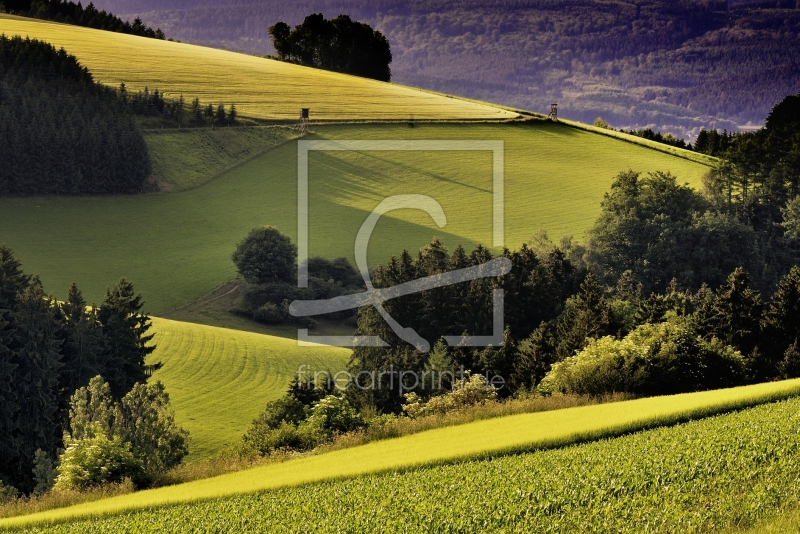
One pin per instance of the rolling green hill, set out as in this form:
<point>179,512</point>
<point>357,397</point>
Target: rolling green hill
<point>260,88</point>
<point>489,438</point>
<point>219,380</point>
<point>176,247</point>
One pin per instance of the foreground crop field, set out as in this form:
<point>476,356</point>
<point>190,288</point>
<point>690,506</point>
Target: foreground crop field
<point>477,440</point>
<point>176,247</point>
<point>702,476</point>
<point>260,88</point>
<point>220,379</point>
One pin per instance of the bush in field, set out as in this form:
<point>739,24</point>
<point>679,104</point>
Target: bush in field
<point>284,425</point>
<point>465,393</point>
<point>97,460</point>
<point>334,414</point>
<point>277,428</point>
<point>266,256</point>
<point>7,493</point>
<point>137,438</point>
<point>265,440</point>
<point>655,359</point>
<point>284,410</point>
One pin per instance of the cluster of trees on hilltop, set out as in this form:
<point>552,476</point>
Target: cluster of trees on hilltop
<point>339,44</point>
<point>50,349</point>
<point>62,132</point>
<point>72,13</point>
<point>649,134</point>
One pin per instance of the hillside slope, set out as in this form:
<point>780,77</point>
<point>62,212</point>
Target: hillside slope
<point>219,380</point>
<point>482,439</point>
<point>260,88</point>
<point>673,65</point>
<point>176,247</point>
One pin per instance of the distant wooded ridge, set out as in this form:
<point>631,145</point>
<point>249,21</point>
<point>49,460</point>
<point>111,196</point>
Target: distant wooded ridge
<point>674,67</point>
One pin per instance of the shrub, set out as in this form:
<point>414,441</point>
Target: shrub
<point>284,410</point>
<point>266,256</point>
<point>656,359</point>
<point>265,439</point>
<point>142,425</point>
<point>7,493</point>
<point>334,414</point>
<point>147,422</point>
<point>270,314</point>
<point>475,390</point>
<point>96,460</point>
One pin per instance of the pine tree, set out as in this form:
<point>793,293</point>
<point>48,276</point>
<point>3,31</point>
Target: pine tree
<point>232,115</point>
<point>588,316</point>
<point>220,115</point>
<point>125,337</point>
<point>37,360</point>
<point>534,357</point>
<point>736,312</point>
<point>782,317</point>
<point>81,349</point>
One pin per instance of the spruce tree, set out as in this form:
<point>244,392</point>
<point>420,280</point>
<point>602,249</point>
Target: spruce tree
<point>782,317</point>
<point>125,338</point>
<point>588,316</point>
<point>37,364</point>
<point>736,312</point>
<point>81,349</point>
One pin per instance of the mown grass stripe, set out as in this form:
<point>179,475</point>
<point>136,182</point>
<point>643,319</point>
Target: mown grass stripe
<point>514,434</point>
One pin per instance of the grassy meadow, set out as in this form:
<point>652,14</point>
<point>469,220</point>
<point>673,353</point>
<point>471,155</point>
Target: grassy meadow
<point>482,439</point>
<point>219,379</point>
<point>176,247</point>
<point>711,475</point>
<point>188,158</point>
<point>260,88</point>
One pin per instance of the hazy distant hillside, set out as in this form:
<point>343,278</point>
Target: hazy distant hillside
<point>675,65</point>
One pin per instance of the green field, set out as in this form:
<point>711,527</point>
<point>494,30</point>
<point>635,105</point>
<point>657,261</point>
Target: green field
<point>488,438</point>
<point>702,476</point>
<point>219,380</point>
<point>260,88</point>
<point>176,247</point>
<point>183,159</point>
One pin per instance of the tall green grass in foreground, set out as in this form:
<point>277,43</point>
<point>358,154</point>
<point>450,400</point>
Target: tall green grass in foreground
<point>483,439</point>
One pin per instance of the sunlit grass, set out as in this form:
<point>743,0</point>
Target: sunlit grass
<point>219,380</point>
<point>481,439</point>
<point>260,88</point>
<point>176,247</point>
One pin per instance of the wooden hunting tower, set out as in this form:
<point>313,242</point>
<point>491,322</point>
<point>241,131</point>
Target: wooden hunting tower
<point>302,125</point>
<point>553,112</point>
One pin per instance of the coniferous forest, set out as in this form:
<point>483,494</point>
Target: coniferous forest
<point>49,349</point>
<point>65,134</point>
<point>72,13</point>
